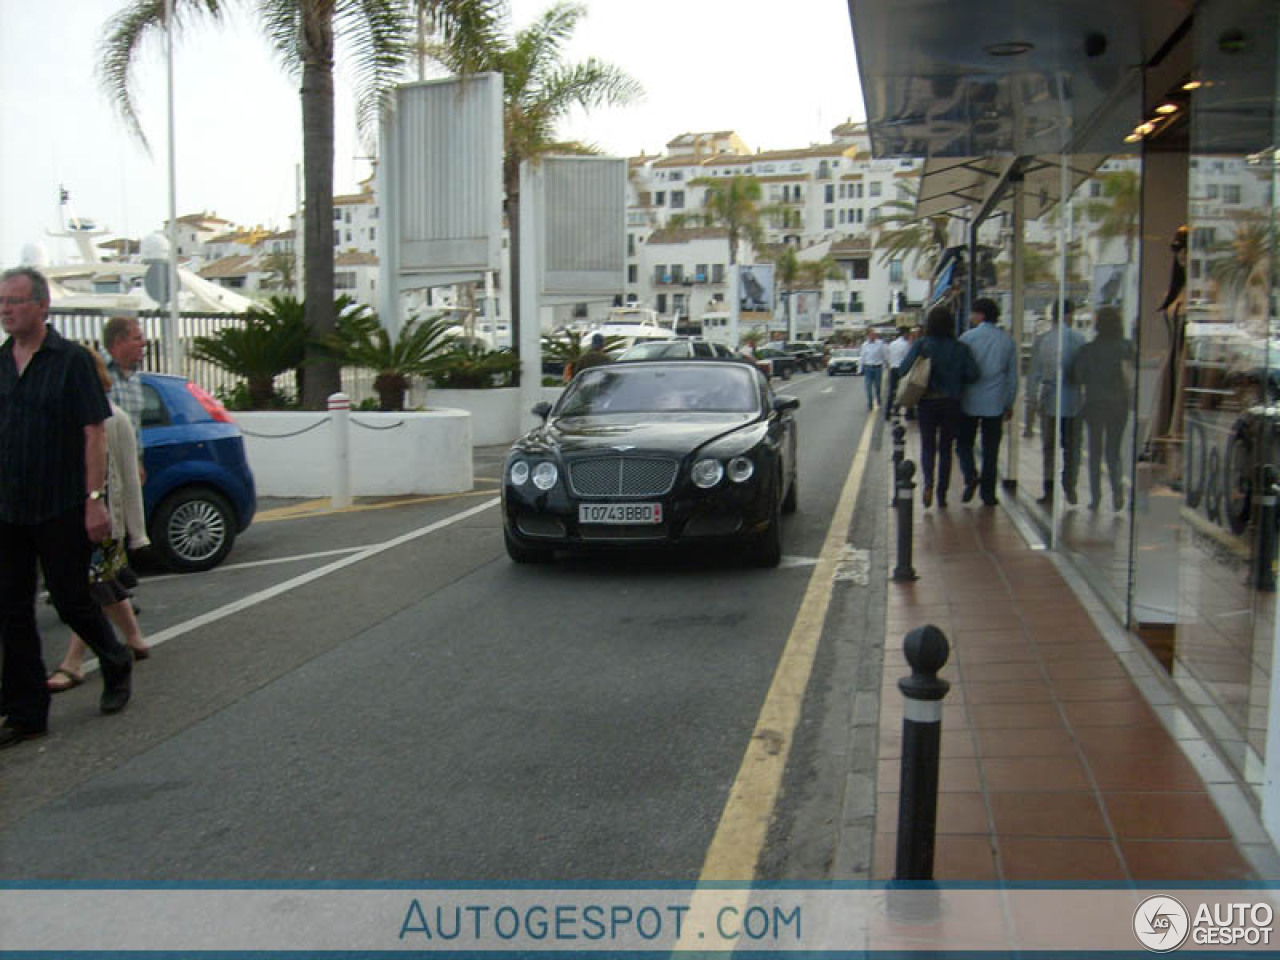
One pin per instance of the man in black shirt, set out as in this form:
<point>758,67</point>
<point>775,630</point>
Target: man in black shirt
<point>54,453</point>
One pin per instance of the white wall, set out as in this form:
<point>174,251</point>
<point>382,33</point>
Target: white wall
<point>411,453</point>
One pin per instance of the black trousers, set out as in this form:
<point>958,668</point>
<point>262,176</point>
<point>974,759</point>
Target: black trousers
<point>891,403</point>
<point>940,422</point>
<point>992,429</point>
<point>62,549</point>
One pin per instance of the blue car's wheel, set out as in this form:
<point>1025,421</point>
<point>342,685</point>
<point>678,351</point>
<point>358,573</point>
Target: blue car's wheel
<point>193,529</point>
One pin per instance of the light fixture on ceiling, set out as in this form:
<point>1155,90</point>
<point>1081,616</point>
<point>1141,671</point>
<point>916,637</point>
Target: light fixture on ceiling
<point>1133,137</point>
<point>1009,48</point>
<point>1167,108</point>
<point>1190,85</point>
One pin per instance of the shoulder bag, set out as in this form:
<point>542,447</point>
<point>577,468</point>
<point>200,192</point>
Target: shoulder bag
<point>913,386</point>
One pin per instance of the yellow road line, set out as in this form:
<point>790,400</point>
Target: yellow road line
<point>312,508</point>
<point>744,824</point>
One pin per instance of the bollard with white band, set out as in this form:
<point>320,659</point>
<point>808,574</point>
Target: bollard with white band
<point>904,488</point>
<point>926,650</point>
<point>340,415</point>
<point>899,454</point>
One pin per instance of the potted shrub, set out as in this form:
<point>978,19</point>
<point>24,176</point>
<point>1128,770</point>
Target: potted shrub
<point>361,341</point>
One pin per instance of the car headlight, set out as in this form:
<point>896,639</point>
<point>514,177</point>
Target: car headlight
<point>741,469</point>
<point>707,473</point>
<point>519,473</point>
<point>545,475</point>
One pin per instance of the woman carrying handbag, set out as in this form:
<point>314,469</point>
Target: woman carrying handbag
<point>951,367</point>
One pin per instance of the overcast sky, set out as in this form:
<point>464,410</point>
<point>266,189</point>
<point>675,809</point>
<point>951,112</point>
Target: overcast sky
<point>780,74</point>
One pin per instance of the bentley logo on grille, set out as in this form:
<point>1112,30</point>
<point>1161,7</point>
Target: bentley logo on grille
<point>624,447</point>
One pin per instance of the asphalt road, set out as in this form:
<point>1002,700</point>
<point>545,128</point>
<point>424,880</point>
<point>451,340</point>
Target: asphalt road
<point>381,695</point>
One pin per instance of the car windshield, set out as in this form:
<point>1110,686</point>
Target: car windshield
<point>657,350</point>
<point>845,353</point>
<point>709,388</point>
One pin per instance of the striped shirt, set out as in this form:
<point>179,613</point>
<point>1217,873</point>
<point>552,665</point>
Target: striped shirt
<point>43,414</point>
<point>126,393</point>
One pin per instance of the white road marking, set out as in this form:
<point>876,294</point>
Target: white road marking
<point>301,580</point>
<point>221,568</point>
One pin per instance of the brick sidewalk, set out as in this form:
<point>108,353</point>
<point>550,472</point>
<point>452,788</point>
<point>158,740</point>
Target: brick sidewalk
<point>1054,765</point>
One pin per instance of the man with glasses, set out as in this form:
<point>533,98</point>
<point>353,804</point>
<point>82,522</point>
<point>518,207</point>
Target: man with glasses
<point>54,450</point>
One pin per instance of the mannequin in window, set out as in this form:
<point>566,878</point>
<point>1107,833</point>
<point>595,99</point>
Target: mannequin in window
<point>1174,308</point>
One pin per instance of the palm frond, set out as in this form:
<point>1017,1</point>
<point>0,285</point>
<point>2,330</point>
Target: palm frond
<point>125,33</point>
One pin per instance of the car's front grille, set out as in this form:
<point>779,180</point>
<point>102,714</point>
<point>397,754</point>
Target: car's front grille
<point>622,477</point>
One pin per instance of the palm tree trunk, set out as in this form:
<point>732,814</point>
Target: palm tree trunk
<point>321,377</point>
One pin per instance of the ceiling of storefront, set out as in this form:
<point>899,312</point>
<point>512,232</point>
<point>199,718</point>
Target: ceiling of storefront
<point>936,85</point>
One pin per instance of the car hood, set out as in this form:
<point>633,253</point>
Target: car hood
<point>677,433</point>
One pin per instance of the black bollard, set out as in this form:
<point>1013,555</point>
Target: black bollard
<point>904,489</point>
<point>1264,577</point>
<point>899,454</point>
<point>926,649</point>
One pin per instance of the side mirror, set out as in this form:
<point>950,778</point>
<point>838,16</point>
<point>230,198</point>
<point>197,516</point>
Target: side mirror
<point>783,403</point>
<point>542,409</point>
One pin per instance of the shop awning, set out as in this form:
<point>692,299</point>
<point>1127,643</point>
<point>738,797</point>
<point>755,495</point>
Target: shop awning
<point>982,183</point>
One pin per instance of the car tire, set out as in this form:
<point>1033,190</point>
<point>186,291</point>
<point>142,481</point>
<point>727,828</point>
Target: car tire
<point>519,553</point>
<point>792,500</point>
<point>767,550</point>
<point>193,529</point>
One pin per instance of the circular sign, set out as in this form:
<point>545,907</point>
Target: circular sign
<point>1161,923</point>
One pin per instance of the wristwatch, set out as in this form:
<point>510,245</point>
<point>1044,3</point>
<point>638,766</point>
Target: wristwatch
<point>97,495</point>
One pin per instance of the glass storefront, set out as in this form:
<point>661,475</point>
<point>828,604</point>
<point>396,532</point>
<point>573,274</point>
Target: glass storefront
<point>1147,435</point>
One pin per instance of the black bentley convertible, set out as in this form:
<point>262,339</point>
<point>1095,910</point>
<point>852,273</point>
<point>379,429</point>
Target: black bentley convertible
<point>654,454</point>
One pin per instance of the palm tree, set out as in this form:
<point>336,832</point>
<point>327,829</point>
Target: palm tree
<point>1115,217</point>
<point>377,33</point>
<point>361,341</point>
<point>280,270</point>
<point>904,236</point>
<point>1246,257</point>
<point>272,341</point>
<point>732,203</point>
<point>539,90</point>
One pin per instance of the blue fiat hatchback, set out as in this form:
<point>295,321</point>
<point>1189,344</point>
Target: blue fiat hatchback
<point>199,492</point>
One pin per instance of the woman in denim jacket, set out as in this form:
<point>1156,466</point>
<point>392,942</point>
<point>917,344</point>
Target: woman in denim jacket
<point>940,411</point>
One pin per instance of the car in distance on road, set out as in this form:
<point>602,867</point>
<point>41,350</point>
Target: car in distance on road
<point>678,348</point>
<point>199,493</point>
<point>808,355</point>
<point>773,361</point>
<point>664,453</point>
<point>845,360</point>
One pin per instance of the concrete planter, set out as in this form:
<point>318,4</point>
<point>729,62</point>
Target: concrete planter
<point>292,454</point>
<point>496,415</point>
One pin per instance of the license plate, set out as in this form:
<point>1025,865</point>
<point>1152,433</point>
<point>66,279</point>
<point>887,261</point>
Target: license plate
<point>620,513</point>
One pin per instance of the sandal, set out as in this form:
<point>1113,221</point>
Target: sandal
<point>60,686</point>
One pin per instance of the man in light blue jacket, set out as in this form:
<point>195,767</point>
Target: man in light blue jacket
<point>1047,379</point>
<point>989,402</point>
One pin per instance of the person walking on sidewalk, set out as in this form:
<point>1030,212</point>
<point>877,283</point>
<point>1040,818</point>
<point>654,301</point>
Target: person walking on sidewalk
<point>53,447</point>
<point>1104,368</point>
<point>951,367</point>
<point>124,344</point>
<point>873,357</point>
<point>1051,359</point>
<point>895,353</point>
<point>988,403</point>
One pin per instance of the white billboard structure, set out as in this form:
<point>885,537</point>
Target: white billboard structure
<point>439,187</point>
<point>572,245</point>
